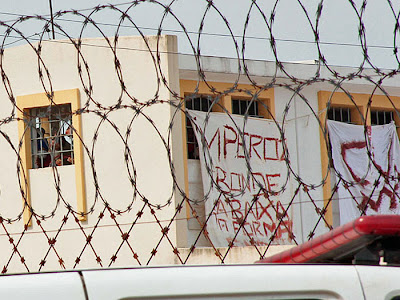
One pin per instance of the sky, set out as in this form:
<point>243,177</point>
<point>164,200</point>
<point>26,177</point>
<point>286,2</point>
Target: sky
<point>224,25</point>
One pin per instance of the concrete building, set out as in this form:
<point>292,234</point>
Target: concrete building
<point>112,197</point>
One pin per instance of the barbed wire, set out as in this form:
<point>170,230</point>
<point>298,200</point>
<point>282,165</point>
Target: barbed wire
<point>294,210</point>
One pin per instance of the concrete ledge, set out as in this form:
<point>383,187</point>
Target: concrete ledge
<point>236,255</point>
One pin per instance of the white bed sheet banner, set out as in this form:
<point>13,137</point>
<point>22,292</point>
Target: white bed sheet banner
<point>351,161</point>
<point>228,169</point>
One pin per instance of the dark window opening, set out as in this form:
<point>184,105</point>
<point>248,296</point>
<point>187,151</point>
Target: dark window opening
<point>340,114</point>
<point>200,103</point>
<point>245,107</point>
<point>379,117</point>
<point>51,136</point>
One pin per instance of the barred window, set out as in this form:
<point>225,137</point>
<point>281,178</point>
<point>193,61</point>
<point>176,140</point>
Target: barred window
<point>200,103</point>
<point>245,107</point>
<point>341,114</point>
<point>51,136</point>
<point>379,117</point>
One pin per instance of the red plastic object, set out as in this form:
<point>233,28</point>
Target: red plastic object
<point>341,241</point>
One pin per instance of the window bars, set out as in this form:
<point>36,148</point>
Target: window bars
<point>199,103</point>
<point>51,136</point>
<point>245,107</point>
<point>341,114</point>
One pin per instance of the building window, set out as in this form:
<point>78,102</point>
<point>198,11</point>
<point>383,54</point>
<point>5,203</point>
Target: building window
<point>245,107</point>
<point>200,103</point>
<point>41,127</point>
<point>51,136</point>
<point>341,114</point>
<point>379,117</point>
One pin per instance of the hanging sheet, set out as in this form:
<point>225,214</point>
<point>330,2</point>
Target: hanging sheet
<point>367,162</point>
<point>241,189</point>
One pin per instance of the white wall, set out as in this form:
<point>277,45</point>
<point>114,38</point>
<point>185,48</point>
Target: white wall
<point>149,156</point>
<point>140,72</point>
<point>302,129</point>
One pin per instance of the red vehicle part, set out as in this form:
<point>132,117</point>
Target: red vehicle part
<point>379,233</point>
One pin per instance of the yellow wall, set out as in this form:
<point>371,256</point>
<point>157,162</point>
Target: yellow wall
<point>188,87</point>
